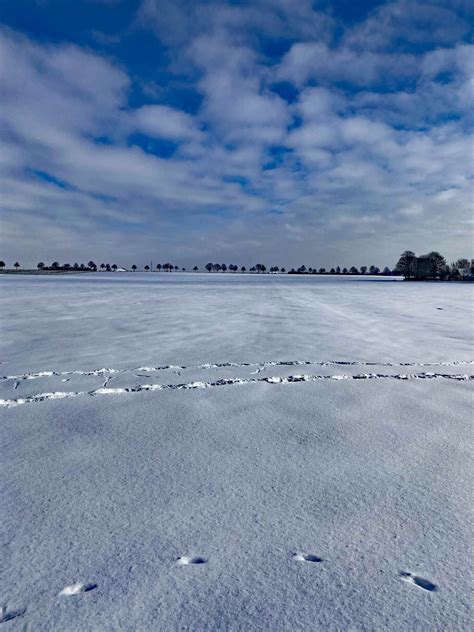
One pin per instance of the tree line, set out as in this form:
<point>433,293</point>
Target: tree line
<point>433,266</point>
<point>424,267</point>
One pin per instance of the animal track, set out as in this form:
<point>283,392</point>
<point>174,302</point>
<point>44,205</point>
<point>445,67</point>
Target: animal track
<point>290,379</point>
<point>185,560</point>
<point>8,615</point>
<point>307,557</point>
<point>260,366</point>
<point>418,581</point>
<point>76,589</point>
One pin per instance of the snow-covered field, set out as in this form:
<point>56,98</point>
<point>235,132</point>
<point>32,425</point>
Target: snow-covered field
<point>220,452</point>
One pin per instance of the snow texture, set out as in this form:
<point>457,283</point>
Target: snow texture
<point>229,452</point>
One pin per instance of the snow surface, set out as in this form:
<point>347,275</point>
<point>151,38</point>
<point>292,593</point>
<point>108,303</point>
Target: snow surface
<point>230,452</point>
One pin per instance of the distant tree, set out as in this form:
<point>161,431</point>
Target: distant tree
<point>302,269</point>
<point>243,269</point>
<point>92,265</point>
<point>223,267</point>
<point>332,271</point>
<point>76,266</point>
<point>283,270</point>
<point>407,264</point>
<point>252,269</point>
<point>195,268</point>
<point>83,266</point>
<point>134,268</point>
<point>292,271</point>
<point>344,270</point>
<point>55,265</point>
<point>209,266</point>
<point>114,267</point>
<point>322,270</point>
<point>16,265</point>
<point>40,265</point>
<point>2,264</point>
<point>353,270</point>
<point>176,268</point>
<point>216,267</point>
<point>183,269</point>
<point>363,269</point>
<point>338,270</point>
<point>437,264</point>
<point>102,266</point>
<point>387,271</point>
<point>147,268</point>
<point>158,266</point>
<point>374,270</point>
<point>107,267</point>
<point>67,266</point>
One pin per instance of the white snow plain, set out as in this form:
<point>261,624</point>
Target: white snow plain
<point>235,452</point>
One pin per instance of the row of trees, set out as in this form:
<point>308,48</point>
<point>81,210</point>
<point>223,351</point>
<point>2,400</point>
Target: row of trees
<point>430,266</point>
<point>433,266</point>
<point>353,270</point>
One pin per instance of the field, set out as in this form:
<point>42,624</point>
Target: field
<point>235,452</point>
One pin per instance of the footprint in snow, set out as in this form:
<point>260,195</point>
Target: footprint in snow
<point>8,615</point>
<point>76,589</point>
<point>186,560</point>
<point>306,557</point>
<point>418,581</point>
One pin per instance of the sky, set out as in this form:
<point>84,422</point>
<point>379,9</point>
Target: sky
<point>285,132</point>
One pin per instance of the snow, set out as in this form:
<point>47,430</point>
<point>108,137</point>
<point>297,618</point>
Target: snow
<point>235,452</point>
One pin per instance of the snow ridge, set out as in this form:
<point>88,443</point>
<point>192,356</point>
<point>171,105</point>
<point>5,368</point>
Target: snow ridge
<point>9,403</point>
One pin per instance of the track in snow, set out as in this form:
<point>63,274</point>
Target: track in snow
<point>105,390</point>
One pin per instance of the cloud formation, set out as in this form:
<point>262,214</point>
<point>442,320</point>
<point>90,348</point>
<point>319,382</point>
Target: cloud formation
<point>309,138</point>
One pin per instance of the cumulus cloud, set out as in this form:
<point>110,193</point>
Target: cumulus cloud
<point>368,153</point>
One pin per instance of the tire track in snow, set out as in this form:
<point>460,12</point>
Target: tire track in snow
<point>291,379</point>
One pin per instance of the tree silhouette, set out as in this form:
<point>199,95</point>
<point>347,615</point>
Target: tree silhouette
<point>76,266</point>
<point>40,265</point>
<point>183,269</point>
<point>147,268</point>
<point>16,265</point>
<point>437,263</point>
<point>344,270</point>
<point>83,266</point>
<point>283,270</point>
<point>252,269</point>
<point>354,270</point>
<point>92,265</point>
<point>322,270</point>
<point>55,265</point>
<point>195,268</point>
<point>176,268</point>
<point>2,264</point>
<point>67,266</point>
<point>134,268</point>
<point>216,267</point>
<point>332,271</point>
<point>407,263</point>
<point>363,269</point>
<point>387,271</point>
<point>243,269</point>
<point>158,267</point>
<point>374,270</point>
<point>209,267</point>
<point>338,270</point>
<point>223,267</point>
<point>102,266</point>
<point>114,267</point>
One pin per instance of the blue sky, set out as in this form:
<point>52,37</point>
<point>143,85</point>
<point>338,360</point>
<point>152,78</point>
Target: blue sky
<point>324,133</point>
